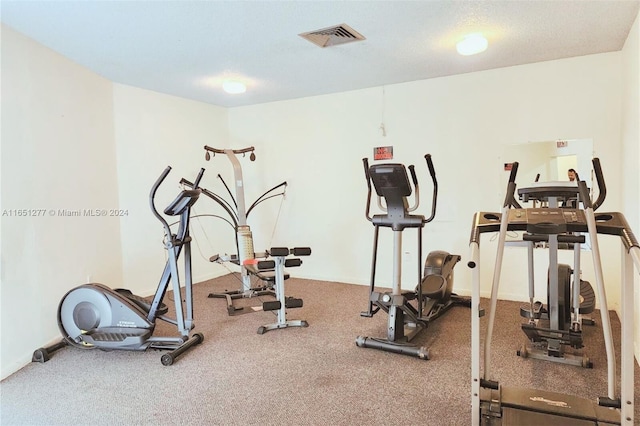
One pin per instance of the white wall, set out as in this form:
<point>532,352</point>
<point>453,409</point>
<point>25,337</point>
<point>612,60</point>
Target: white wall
<point>77,140</point>
<point>464,121</point>
<point>58,153</point>
<point>631,147</point>
<point>153,131</point>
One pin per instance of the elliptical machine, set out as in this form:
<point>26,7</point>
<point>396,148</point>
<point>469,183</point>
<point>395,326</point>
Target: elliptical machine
<point>495,404</point>
<point>95,316</point>
<point>552,327</point>
<point>409,312</point>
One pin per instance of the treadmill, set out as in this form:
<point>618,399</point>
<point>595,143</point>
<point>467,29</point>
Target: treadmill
<point>495,404</point>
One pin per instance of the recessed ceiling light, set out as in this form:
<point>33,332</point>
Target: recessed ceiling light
<point>472,44</point>
<point>234,86</point>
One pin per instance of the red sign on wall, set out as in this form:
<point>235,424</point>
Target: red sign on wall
<point>383,153</point>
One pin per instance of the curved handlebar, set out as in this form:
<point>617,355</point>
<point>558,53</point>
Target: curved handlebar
<point>514,172</point>
<point>414,178</point>
<point>510,197</point>
<point>215,151</point>
<point>432,171</point>
<point>223,151</point>
<point>365,162</point>
<point>584,195</point>
<point>434,198</point>
<point>602,187</point>
<point>152,196</point>
<point>197,182</point>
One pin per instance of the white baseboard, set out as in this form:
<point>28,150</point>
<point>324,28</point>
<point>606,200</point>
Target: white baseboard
<point>24,360</point>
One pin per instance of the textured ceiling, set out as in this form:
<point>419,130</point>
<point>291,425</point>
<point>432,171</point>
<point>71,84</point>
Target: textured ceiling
<point>185,48</point>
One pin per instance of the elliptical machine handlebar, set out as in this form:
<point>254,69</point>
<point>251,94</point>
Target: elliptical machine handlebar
<point>414,178</point>
<point>434,199</point>
<point>196,184</point>
<point>602,186</point>
<point>365,162</point>
<point>412,170</point>
<point>510,198</point>
<point>584,195</point>
<point>152,196</point>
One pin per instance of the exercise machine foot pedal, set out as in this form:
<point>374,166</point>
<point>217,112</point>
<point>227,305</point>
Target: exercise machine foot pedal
<point>538,311</point>
<point>588,298</point>
<point>117,337</point>
<point>141,302</point>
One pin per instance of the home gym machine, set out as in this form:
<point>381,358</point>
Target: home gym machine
<point>409,312</point>
<point>495,404</point>
<point>271,269</point>
<point>95,316</point>
<point>567,300</point>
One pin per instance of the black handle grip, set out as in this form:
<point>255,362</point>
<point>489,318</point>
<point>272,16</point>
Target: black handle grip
<point>365,162</point>
<point>152,196</point>
<point>412,170</point>
<point>602,186</point>
<point>197,182</point>
<point>432,170</point>
<point>562,238</point>
<point>514,172</point>
<point>584,195</point>
<point>434,198</point>
<point>510,197</point>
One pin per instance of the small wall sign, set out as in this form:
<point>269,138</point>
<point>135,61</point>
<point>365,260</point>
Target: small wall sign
<point>383,153</point>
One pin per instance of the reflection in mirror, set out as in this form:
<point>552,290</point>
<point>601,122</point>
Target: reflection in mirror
<point>548,161</point>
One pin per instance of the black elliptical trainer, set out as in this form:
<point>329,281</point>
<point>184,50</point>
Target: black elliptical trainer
<point>409,312</point>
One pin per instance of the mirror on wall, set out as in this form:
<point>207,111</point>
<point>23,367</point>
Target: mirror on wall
<point>547,161</point>
<point>550,160</point>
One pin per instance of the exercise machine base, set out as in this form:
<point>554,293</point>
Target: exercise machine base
<point>394,347</point>
<point>517,406</point>
<point>232,295</point>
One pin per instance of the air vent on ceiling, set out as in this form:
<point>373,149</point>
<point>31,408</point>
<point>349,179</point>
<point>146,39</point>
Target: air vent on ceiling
<point>333,36</point>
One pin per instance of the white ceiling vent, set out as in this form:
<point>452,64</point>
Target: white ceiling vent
<point>333,36</point>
